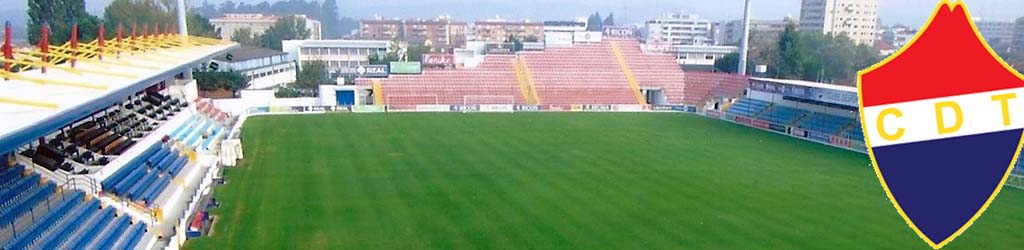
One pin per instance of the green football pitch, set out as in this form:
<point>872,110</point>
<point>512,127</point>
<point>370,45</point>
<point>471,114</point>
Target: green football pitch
<point>559,181</point>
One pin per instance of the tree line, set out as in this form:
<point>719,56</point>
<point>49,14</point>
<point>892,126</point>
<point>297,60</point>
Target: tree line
<point>285,28</point>
<point>326,12</point>
<point>595,23</point>
<point>60,15</point>
<point>807,55</point>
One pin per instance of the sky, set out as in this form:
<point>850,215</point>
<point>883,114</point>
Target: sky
<point>908,12</point>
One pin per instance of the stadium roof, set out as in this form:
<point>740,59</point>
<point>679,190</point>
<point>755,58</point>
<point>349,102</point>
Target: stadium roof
<point>248,53</point>
<point>34,104</point>
<point>808,84</point>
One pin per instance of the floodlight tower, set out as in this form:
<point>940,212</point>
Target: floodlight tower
<point>742,69</point>
<point>182,24</point>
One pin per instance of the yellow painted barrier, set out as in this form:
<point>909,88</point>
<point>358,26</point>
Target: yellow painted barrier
<point>529,79</point>
<point>378,93</point>
<point>628,72</point>
<point>524,87</point>
<point>48,81</point>
<point>24,102</point>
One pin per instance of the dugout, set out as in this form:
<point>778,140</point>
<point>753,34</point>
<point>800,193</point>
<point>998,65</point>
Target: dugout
<point>345,95</point>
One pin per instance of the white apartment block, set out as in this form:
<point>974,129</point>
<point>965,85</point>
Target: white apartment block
<point>998,33</point>
<point>679,29</point>
<point>258,23</point>
<point>857,19</point>
<point>339,56</point>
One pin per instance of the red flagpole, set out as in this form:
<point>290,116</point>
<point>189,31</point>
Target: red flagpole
<point>44,45</point>
<point>7,48</point>
<point>74,44</point>
<point>101,41</point>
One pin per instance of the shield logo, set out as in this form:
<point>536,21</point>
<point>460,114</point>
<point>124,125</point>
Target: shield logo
<point>943,120</point>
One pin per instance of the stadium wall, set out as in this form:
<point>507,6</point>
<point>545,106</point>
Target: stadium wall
<point>813,136</point>
<point>442,108</point>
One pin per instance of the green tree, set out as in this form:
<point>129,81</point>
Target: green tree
<point>531,39</point>
<point>765,52</point>
<point>383,58</point>
<point>140,12</point>
<point>399,49</point>
<point>245,37</point>
<point>415,52</point>
<point>609,21</point>
<point>329,19</point>
<point>286,28</point>
<point>210,80</point>
<point>287,92</point>
<point>594,23</point>
<point>199,25</point>
<point>155,12</point>
<point>791,55</point>
<point>310,77</point>
<point>60,15</point>
<point>815,56</point>
<point>729,63</point>
<point>517,44</point>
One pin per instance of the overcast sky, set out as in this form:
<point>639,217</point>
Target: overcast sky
<point>911,12</point>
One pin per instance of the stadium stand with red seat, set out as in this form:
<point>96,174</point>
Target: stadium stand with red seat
<point>494,77</point>
<point>579,74</point>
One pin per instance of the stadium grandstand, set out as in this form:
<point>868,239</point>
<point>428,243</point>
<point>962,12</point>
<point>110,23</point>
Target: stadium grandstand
<point>109,147</point>
<point>614,71</point>
<point>104,143</point>
<point>818,112</point>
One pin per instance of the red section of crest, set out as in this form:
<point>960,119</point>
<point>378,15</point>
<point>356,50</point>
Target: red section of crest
<point>947,59</point>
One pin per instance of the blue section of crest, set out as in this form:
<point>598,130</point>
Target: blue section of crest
<point>941,184</point>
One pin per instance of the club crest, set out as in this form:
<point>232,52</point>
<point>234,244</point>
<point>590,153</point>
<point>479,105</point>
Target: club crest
<point>943,120</point>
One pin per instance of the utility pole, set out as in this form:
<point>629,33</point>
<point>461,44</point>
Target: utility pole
<point>745,43</point>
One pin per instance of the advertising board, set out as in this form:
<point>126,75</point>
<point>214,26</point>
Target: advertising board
<point>596,108</point>
<point>406,68</point>
<point>619,31</point>
<point>497,108</point>
<point>628,108</point>
<point>677,108</point>
<point>433,108</point>
<point>558,38</point>
<point>527,108</point>
<point>586,37</point>
<point>713,113</point>
<point>760,124</point>
<point>439,60</point>
<point>372,71</point>
<point>465,108</point>
<point>367,109</point>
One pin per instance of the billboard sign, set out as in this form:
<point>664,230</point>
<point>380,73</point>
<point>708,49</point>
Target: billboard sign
<point>808,93</point>
<point>465,108</point>
<point>497,108</point>
<point>433,108</point>
<point>656,47</point>
<point>619,31</point>
<point>372,71</point>
<point>406,68</point>
<point>527,108</point>
<point>438,60</point>
<point>558,38</point>
<point>586,37</point>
